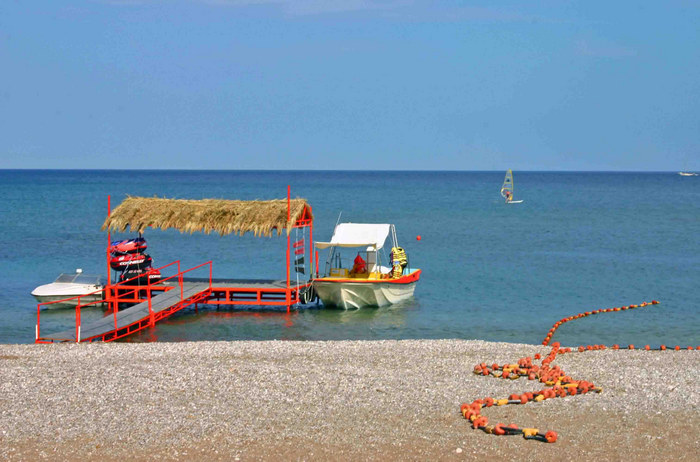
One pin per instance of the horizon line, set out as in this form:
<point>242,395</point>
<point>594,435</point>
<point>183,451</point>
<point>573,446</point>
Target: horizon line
<point>323,170</point>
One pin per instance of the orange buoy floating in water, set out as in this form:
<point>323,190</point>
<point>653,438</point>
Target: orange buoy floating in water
<point>418,237</point>
<point>557,324</point>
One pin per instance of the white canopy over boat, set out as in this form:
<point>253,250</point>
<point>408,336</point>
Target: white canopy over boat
<point>358,235</point>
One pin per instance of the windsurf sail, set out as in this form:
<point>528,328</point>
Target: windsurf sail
<point>508,189</point>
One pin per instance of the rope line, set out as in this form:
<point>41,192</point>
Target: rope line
<point>557,324</point>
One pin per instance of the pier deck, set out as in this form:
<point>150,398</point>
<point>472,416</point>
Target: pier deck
<point>157,301</point>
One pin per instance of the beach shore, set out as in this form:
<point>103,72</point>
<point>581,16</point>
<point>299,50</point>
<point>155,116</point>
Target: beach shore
<point>340,400</point>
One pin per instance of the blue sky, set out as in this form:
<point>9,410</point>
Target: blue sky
<point>355,84</point>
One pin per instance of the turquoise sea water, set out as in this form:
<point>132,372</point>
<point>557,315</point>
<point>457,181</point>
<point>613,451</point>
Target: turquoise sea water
<point>580,241</point>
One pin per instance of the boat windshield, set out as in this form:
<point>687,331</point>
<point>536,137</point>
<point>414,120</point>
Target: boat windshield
<point>79,278</point>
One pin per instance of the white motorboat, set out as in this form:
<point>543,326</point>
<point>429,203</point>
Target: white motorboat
<point>67,286</point>
<point>367,282</point>
<point>687,174</point>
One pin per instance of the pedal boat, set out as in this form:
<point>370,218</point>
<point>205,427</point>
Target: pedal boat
<point>376,286</point>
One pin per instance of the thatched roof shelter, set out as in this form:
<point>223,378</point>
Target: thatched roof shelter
<point>207,215</point>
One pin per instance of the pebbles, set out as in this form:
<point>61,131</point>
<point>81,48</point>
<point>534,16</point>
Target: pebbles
<point>339,400</point>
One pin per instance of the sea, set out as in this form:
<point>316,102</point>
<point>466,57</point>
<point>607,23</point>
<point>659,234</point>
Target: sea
<point>580,241</point>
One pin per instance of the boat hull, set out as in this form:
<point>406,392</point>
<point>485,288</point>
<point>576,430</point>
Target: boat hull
<point>68,301</point>
<point>358,293</point>
<point>130,261</point>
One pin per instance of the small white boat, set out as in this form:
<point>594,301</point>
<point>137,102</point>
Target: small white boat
<point>367,282</point>
<point>66,286</point>
<point>508,189</point>
<point>687,174</point>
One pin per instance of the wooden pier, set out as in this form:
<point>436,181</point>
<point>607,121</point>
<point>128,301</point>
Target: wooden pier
<point>165,299</point>
<point>155,301</point>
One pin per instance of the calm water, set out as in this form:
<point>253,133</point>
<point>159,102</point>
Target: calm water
<point>580,241</point>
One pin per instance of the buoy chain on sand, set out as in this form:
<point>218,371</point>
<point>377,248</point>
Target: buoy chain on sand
<point>561,385</point>
<point>589,313</point>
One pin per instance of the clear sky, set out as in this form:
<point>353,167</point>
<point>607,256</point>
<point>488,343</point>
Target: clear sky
<point>350,84</point>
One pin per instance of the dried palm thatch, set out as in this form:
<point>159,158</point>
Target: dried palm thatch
<point>207,215</point>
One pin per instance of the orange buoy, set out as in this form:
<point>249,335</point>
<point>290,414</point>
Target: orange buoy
<point>550,375</point>
<point>418,238</point>
<point>481,421</point>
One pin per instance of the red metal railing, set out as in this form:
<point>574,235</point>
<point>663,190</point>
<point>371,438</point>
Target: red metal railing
<point>123,292</point>
<point>79,298</point>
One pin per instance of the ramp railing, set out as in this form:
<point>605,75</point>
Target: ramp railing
<point>96,298</point>
<point>123,292</point>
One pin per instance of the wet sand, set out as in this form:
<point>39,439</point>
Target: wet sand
<point>342,400</point>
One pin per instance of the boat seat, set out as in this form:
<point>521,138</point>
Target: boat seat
<point>339,272</point>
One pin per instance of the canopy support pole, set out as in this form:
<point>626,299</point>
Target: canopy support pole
<point>109,269</point>
<point>289,217</point>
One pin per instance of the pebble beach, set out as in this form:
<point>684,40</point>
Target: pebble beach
<point>336,400</point>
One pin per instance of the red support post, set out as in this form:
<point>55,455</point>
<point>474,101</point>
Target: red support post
<point>108,290</point>
<point>151,319</point>
<point>77,322</point>
<point>38,321</point>
<point>311,249</point>
<point>289,217</point>
<point>109,241</point>
<point>116,308</point>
